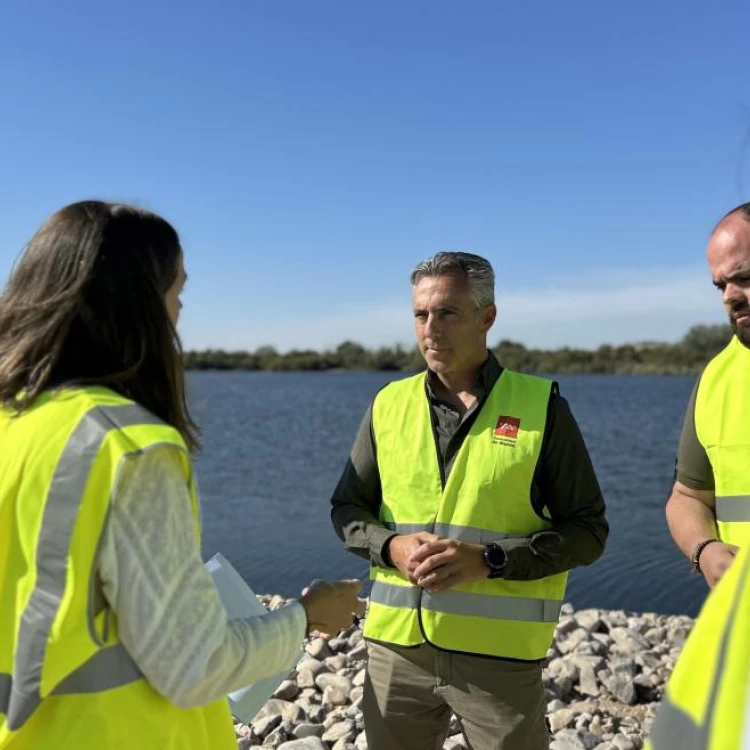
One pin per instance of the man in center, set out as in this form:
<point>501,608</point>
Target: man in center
<point>470,490</point>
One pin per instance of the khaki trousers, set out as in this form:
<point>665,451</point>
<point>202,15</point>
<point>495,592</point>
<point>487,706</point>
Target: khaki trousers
<point>410,693</point>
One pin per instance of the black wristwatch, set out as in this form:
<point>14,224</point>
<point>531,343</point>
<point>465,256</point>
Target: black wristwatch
<point>495,557</point>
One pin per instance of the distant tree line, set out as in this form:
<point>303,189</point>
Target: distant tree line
<point>688,355</point>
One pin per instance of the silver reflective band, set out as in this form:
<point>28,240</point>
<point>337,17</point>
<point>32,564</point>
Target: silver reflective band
<point>109,668</point>
<point>733,508</point>
<point>60,514</point>
<point>470,534</point>
<point>675,729</point>
<point>450,602</point>
<point>405,597</point>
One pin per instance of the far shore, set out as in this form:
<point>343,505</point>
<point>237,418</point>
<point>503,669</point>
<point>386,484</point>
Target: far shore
<point>687,356</point>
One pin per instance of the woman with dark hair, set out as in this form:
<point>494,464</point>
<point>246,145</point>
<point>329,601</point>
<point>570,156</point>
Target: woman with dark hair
<point>112,633</point>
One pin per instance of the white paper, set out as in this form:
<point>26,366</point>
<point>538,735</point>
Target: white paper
<point>240,602</point>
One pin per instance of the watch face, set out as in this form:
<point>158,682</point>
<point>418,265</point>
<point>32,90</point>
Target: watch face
<point>495,556</point>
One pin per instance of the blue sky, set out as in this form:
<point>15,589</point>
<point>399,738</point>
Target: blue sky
<point>310,153</point>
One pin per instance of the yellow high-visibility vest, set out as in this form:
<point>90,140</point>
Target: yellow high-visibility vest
<point>707,701</point>
<point>66,680</point>
<point>722,424</point>
<point>486,497</point>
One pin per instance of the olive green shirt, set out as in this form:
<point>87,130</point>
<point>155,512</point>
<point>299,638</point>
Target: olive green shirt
<point>693,466</point>
<point>564,489</point>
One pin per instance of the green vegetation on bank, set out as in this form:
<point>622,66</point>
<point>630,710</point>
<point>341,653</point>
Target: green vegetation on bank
<point>688,355</point>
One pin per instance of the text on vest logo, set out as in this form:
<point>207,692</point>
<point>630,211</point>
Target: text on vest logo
<point>506,430</point>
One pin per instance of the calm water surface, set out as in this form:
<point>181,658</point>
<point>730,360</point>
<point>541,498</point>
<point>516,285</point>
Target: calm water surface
<point>275,444</point>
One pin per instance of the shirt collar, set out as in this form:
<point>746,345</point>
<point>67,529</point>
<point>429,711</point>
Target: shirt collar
<point>486,377</point>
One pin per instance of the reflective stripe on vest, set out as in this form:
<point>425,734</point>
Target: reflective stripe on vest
<point>722,426</point>
<point>733,509</point>
<point>463,603</point>
<point>109,668</point>
<point>721,725</point>
<point>486,498</point>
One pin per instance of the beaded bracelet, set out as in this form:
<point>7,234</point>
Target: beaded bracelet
<point>695,558</point>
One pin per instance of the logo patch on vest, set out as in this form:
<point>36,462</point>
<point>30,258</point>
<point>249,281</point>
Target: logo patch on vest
<point>506,430</point>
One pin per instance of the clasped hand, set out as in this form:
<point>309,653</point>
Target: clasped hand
<point>436,564</point>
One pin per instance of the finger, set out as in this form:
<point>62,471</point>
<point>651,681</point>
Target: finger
<point>439,574</point>
<point>445,583</point>
<point>425,551</point>
<point>430,564</point>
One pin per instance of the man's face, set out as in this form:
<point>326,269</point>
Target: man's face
<point>451,330</point>
<point>729,261</point>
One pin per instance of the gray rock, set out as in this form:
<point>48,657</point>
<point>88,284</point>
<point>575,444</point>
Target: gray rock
<point>308,696</point>
<point>561,719</point>
<point>361,742</point>
<point>332,696</point>
<point>342,729</point>
<point>278,737</point>
<point>358,651</point>
<point>574,739</point>
<point>589,619</point>
<point>625,667</point>
<point>316,714</point>
<point>602,638</point>
<point>287,691</point>
<point>288,711</point>
<point>629,641</point>
<point>265,726</point>
<point>595,726</point>
<point>336,663</point>
<point>455,742</point>
<point>622,687</point>
<point>306,743</point>
<point>356,694</point>
<point>344,684</point>
<point>318,649</point>
<point>587,660</point>
<point>565,626</point>
<point>621,742</point>
<point>573,641</point>
<point>335,715</point>
<point>338,644</point>
<point>359,679</point>
<point>308,730</point>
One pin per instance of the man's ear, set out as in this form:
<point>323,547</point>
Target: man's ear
<point>490,313</point>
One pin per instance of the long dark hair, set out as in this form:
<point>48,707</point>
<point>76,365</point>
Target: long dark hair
<point>86,305</point>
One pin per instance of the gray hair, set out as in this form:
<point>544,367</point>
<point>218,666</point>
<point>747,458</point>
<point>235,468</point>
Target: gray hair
<point>477,270</point>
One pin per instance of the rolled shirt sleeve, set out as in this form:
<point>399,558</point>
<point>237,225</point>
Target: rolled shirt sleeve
<point>356,500</point>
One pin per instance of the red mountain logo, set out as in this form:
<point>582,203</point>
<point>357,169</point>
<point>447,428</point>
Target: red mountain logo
<point>507,427</point>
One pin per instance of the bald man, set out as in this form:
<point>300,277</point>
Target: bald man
<point>708,511</point>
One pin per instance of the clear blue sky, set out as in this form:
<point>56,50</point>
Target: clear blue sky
<point>309,153</point>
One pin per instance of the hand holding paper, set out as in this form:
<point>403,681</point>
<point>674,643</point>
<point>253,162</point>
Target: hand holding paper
<point>331,605</point>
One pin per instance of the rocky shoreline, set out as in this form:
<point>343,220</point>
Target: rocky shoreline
<point>604,676</point>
